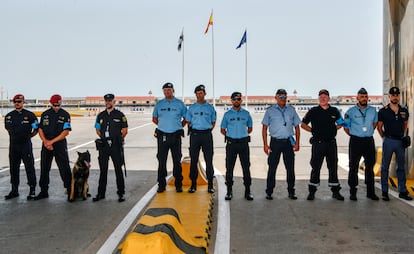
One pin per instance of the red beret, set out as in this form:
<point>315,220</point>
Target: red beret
<point>56,99</point>
<point>18,97</point>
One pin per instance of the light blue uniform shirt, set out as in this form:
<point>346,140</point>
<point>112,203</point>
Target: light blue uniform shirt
<point>201,116</point>
<point>281,121</point>
<point>359,121</point>
<point>236,123</point>
<point>170,114</point>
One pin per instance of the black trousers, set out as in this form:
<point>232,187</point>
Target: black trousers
<point>321,150</point>
<point>60,152</point>
<point>232,150</point>
<point>202,141</point>
<point>113,152</point>
<point>17,153</point>
<point>361,147</point>
<point>279,147</point>
<point>165,143</point>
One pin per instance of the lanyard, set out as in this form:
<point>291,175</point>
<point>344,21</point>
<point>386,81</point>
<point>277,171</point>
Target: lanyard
<point>363,115</point>
<point>283,114</point>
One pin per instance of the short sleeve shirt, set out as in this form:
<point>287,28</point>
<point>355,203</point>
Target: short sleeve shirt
<point>236,123</point>
<point>170,114</point>
<point>53,123</point>
<point>393,123</point>
<point>201,116</point>
<point>110,125</point>
<point>281,121</point>
<point>323,122</point>
<point>20,125</point>
<point>360,121</point>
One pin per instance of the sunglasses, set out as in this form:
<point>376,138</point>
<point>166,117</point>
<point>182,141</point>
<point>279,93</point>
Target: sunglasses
<point>236,99</point>
<point>17,101</point>
<point>283,97</point>
<point>56,105</point>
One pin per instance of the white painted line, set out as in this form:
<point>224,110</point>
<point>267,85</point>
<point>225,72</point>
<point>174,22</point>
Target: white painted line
<point>111,244</point>
<point>343,162</point>
<point>222,244</point>
<point>79,146</point>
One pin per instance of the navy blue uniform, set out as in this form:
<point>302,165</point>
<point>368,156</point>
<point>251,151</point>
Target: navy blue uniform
<point>20,126</point>
<point>324,131</point>
<point>53,123</point>
<point>110,126</point>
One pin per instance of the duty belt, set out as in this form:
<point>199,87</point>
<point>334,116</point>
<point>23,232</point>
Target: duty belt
<point>200,131</point>
<point>280,139</point>
<point>238,140</point>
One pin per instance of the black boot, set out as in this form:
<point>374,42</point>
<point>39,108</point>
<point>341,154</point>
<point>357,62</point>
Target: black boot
<point>229,194</point>
<point>14,193</point>
<point>247,194</point>
<point>371,193</point>
<point>32,193</point>
<point>335,193</point>
<point>312,190</point>
<point>210,187</point>
<point>193,187</point>
<point>353,192</point>
<point>385,196</point>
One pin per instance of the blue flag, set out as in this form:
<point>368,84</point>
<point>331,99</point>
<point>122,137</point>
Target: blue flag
<point>243,40</point>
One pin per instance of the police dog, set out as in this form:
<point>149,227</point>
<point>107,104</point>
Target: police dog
<point>80,174</point>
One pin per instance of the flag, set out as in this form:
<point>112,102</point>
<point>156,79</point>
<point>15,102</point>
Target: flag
<point>180,40</point>
<point>243,39</point>
<point>210,22</point>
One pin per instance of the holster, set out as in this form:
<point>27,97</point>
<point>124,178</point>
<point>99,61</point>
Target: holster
<point>99,143</point>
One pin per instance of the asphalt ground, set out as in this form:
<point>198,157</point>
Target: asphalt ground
<point>282,225</point>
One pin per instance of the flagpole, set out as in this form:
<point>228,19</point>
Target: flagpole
<point>245,71</point>
<point>182,77</point>
<point>212,49</point>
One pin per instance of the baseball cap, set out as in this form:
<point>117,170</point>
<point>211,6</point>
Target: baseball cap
<point>236,94</point>
<point>55,99</point>
<point>281,91</point>
<point>200,88</point>
<point>362,91</point>
<point>394,90</point>
<point>168,85</point>
<point>18,97</point>
<point>323,91</point>
<point>109,97</point>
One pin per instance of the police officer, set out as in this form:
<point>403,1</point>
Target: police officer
<point>392,126</point>
<point>236,126</point>
<point>282,121</point>
<point>54,126</point>
<point>201,119</point>
<point>22,125</point>
<point>111,126</point>
<point>169,116</point>
<point>360,123</point>
<point>325,120</point>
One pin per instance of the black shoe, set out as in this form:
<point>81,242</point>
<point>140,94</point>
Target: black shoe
<point>121,198</point>
<point>248,196</point>
<point>210,189</point>
<point>405,195</point>
<point>336,195</point>
<point>12,194</point>
<point>228,196</point>
<point>311,196</point>
<point>292,196</point>
<point>98,197</point>
<point>192,189</point>
<point>373,197</point>
<point>385,196</point>
<point>32,195</point>
<point>179,189</point>
<point>41,195</point>
<point>353,197</point>
<point>269,197</point>
<point>161,189</point>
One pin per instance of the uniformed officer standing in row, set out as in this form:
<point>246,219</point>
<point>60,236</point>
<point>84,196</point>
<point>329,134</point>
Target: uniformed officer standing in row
<point>236,126</point>
<point>325,120</point>
<point>169,116</point>
<point>21,125</point>
<point>201,118</point>
<point>360,123</point>
<point>392,127</point>
<point>112,127</point>
<point>54,126</point>
<point>282,121</point>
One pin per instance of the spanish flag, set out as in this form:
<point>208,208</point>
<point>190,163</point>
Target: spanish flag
<point>210,22</point>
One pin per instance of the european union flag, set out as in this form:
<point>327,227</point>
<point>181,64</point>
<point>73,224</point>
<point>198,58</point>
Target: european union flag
<point>243,40</point>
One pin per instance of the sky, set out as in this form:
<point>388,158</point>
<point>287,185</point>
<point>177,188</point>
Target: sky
<point>83,48</point>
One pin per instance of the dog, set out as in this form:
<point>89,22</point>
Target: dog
<point>80,175</point>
